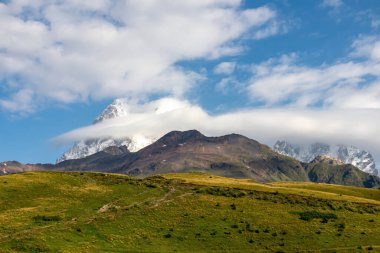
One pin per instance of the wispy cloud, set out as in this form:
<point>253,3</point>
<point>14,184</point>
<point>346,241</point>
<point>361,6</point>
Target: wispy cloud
<point>225,68</point>
<point>332,3</point>
<point>354,83</point>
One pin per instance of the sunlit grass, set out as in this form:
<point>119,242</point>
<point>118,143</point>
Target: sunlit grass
<point>193,212</point>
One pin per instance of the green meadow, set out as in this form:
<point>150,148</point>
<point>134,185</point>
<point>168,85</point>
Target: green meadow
<point>189,212</point>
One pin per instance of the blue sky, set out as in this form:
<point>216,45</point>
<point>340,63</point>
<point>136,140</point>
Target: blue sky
<point>62,63</point>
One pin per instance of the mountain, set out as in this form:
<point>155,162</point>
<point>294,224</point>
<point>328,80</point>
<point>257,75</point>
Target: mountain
<point>118,108</point>
<point>11,167</point>
<point>348,154</point>
<point>230,155</point>
<point>324,169</point>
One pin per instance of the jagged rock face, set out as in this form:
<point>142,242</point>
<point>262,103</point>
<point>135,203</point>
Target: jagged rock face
<point>359,158</point>
<point>118,108</point>
<point>347,154</point>
<point>327,159</point>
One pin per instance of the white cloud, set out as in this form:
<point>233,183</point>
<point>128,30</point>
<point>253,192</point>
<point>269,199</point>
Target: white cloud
<point>70,51</point>
<point>353,83</point>
<point>225,68</point>
<point>367,47</point>
<point>20,101</point>
<point>332,3</point>
<point>227,84</point>
<point>339,126</point>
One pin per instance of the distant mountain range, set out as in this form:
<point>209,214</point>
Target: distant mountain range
<point>230,155</point>
<point>347,154</point>
<point>305,153</point>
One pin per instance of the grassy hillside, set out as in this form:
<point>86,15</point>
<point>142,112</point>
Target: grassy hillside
<point>95,212</point>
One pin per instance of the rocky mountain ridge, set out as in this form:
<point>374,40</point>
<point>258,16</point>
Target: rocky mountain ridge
<point>347,154</point>
<point>230,155</point>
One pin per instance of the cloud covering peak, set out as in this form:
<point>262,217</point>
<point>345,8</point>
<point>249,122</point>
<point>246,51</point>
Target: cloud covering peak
<point>154,119</point>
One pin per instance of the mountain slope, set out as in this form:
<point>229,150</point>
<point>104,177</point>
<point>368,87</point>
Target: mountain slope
<point>327,170</point>
<point>11,167</point>
<point>231,155</point>
<point>348,154</point>
<point>96,212</point>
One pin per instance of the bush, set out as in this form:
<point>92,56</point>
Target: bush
<point>310,215</point>
<point>46,218</point>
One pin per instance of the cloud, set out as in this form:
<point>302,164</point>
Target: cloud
<point>229,85</point>
<point>225,68</point>
<point>73,51</point>
<point>353,83</point>
<point>273,28</point>
<point>375,22</point>
<point>19,101</point>
<point>332,3</point>
<point>336,126</point>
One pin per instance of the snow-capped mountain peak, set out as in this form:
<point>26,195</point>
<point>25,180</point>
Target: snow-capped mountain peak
<point>118,108</point>
<point>347,154</point>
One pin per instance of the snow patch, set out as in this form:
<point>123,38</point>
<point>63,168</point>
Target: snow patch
<point>348,154</point>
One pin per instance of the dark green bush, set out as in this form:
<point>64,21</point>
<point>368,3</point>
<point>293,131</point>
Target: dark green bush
<point>310,215</point>
<point>46,218</point>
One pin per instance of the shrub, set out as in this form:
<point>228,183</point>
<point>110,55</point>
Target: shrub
<point>310,215</point>
<point>44,218</point>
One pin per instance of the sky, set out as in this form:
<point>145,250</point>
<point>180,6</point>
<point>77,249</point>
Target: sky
<point>298,70</point>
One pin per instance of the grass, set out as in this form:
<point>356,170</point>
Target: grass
<point>95,212</point>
